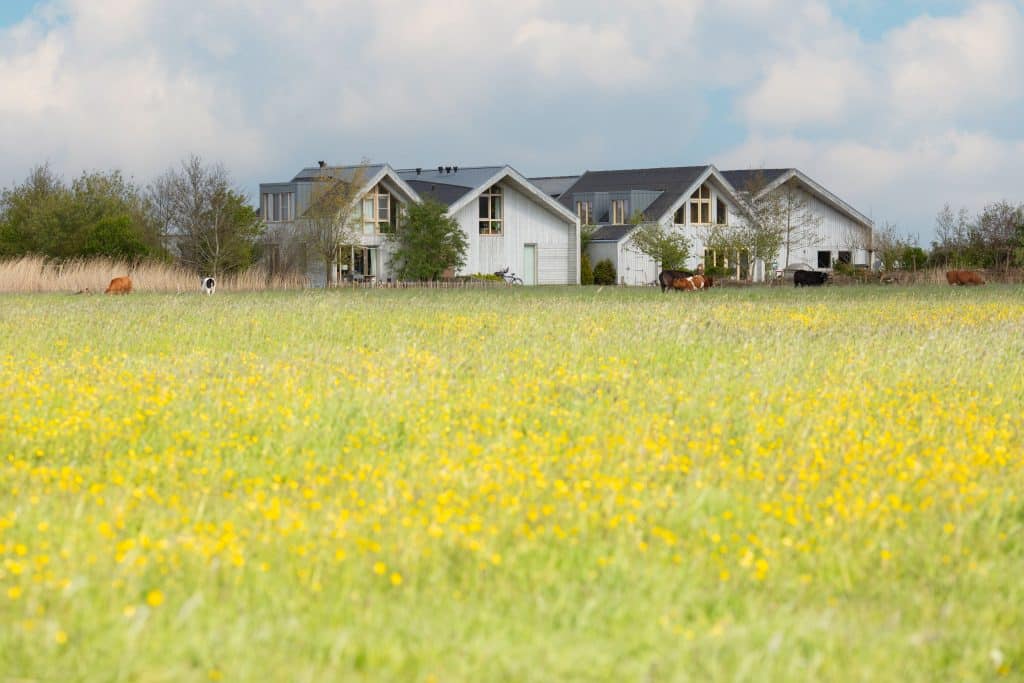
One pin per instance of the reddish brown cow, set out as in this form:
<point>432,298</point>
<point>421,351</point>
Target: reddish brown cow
<point>688,282</point>
<point>119,285</point>
<point>964,277</point>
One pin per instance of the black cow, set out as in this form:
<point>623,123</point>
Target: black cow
<point>809,278</point>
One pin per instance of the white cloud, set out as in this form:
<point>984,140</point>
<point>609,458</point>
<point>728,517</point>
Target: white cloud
<point>548,87</point>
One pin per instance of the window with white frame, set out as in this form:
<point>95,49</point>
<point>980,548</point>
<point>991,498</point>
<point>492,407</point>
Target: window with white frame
<point>491,214</point>
<point>585,210</point>
<point>278,206</point>
<point>700,206</point>
<point>618,212</point>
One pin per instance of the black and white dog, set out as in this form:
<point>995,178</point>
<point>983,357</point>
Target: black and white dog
<point>209,284</point>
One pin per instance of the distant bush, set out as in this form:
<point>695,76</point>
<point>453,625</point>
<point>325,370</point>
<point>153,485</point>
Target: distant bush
<point>586,272</point>
<point>604,273</point>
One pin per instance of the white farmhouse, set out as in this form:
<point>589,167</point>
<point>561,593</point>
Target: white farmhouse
<point>508,221</point>
<point>693,199</point>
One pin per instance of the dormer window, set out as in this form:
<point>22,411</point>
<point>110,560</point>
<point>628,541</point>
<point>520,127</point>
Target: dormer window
<point>491,211</point>
<point>585,211</point>
<point>618,212</point>
<point>278,206</point>
<point>700,206</point>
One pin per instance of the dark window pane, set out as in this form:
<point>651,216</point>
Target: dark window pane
<point>485,207</point>
<point>824,259</point>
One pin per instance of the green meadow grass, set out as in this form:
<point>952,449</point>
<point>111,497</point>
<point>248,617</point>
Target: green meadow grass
<point>516,484</point>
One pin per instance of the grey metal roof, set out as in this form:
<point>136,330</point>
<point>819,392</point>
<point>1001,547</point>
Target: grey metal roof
<point>474,176</point>
<point>444,193</point>
<point>554,186</point>
<point>340,172</point>
<point>742,178</point>
<point>611,233</point>
<point>672,182</point>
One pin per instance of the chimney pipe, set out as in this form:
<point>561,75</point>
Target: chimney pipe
<point>447,169</point>
<point>440,169</point>
<point>419,170</point>
<point>322,163</point>
<point>455,168</point>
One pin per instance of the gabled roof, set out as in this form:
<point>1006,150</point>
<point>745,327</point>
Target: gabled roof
<point>446,194</point>
<point>555,186</point>
<point>371,175</point>
<point>674,183</point>
<point>741,179</point>
<point>459,187</point>
<point>448,188</point>
<point>776,177</point>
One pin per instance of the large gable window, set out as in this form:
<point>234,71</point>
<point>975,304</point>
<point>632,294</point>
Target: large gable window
<point>491,211</point>
<point>700,206</point>
<point>377,211</point>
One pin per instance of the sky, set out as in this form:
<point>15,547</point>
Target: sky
<point>896,107</point>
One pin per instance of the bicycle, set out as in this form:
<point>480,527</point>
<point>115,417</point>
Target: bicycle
<point>509,278</point>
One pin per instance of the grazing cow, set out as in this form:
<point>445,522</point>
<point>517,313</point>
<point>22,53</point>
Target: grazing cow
<point>809,278</point>
<point>119,285</point>
<point>209,285</point>
<point>964,277</point>
<point>688,282</point>
<point>666,278</point>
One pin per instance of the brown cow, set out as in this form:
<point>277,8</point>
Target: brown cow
<point>964,277</point>
<point>119,285</point>
<point>688,282</point>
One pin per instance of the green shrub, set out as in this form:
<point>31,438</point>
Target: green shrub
<point>604,273</point>
<point>586,272</point>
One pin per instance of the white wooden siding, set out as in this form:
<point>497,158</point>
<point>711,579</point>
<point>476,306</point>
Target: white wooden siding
<point>634,267</point>
<point>836,233</point>
<point>525,222</point>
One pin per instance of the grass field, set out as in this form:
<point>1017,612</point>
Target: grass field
<point>521,485</point>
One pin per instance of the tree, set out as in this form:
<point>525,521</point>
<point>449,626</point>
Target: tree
<point>207,221</point>
<point>761,230</point>
<point>604,273</point>
<point>29,214</point>
<point>800,225</point>
<point>952,244</point>
<point>429,242</point>
<point>667,247</point>
<point>100,214</point>
<point>586,272</point>
<point>332,220</point>
<point>996,227</point>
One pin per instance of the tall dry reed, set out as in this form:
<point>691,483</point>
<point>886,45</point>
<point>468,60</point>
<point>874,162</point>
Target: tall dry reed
<point>37,274</point>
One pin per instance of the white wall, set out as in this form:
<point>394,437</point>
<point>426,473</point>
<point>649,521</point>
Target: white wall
<point>634,267</point>
<point>836,233</point>
<point>525,222</point>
